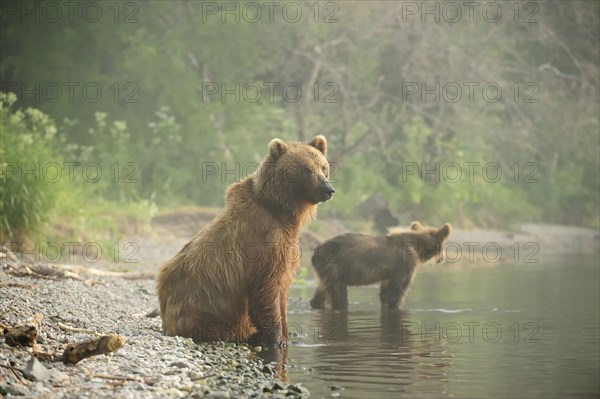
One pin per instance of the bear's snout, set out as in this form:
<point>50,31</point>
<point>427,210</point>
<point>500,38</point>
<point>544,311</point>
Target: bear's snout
<point>325,192</point>
<point>329,192</point>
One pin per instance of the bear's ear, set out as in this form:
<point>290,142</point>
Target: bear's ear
<point>444,232</point>
<point>320,143</point>
<point>416,226</point>
<point>277,148</point>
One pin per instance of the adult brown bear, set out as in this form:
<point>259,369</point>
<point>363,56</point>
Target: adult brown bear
<point>359,259</point>
<point>230,282</point>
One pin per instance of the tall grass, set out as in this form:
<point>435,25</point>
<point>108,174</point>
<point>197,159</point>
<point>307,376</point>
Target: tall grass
<point>42,201</point>
<point>28,185</point>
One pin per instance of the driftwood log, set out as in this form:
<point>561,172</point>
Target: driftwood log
<point>104,344</point>
<point>24,333</point>
<point>59,272</point>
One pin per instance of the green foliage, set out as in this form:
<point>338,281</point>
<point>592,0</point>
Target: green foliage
<point>26,196</point>
<point>154,130</point>
<point>42,197</point>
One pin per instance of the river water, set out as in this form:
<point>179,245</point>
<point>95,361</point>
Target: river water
<point>507,331</point>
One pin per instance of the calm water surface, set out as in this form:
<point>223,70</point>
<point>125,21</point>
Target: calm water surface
<point>508,331</point>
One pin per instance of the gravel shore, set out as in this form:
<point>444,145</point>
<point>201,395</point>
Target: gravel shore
<point>150,365</point>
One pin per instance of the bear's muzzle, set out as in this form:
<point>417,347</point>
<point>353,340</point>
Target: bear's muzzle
<point>324,191</point>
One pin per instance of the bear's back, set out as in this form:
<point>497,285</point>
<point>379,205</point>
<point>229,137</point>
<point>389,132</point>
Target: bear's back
<point>350,248</point>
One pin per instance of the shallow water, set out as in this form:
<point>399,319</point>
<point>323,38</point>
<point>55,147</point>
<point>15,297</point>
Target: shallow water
<point>508,331</point>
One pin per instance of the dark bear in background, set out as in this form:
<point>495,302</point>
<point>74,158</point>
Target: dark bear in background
<point>359,259</point>
<point>377,208</point>
<point>230,282</point>
<point>384,219</point>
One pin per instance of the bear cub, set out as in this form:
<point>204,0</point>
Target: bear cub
<point>230,282</point>
<point>360,259</point>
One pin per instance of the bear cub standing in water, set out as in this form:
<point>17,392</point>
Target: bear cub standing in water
<point>230,282</point>
<point>359,259</point>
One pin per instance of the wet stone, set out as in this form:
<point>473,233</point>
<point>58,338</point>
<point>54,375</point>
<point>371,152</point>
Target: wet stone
<point>267,369</point>
<point>36,371</point>
<point>14,389</point>
<point>218,395</point>
<point>181,365</point>
<point>174,393</point>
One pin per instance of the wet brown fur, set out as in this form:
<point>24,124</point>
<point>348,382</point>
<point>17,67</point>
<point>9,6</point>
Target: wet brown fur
<point>230,282</point>
<point>360,259</point>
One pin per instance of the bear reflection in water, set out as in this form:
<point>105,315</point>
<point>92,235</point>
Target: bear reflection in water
<point>357,343</point>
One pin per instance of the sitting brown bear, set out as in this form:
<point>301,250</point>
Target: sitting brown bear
<point>230,282</point>
<point>359,259</point>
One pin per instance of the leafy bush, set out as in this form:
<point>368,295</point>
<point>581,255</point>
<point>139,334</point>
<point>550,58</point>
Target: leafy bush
<point>28,184</point>
<point>41,198</point>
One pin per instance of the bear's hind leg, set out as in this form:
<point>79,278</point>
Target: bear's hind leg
<point>200,329</point>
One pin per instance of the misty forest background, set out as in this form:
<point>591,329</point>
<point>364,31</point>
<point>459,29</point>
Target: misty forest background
<point>159,127</point>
